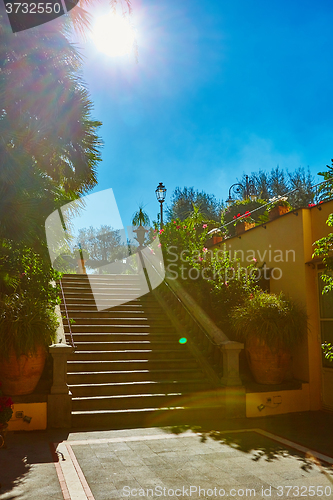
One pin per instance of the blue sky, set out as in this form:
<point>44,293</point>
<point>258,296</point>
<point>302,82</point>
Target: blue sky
<point>220,89</point>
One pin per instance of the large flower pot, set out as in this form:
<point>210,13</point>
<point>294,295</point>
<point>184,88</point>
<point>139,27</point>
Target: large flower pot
<point>241,227</point>
<point>277,211</point>
<point>20,375</point>
<point>217,239</point>
<point>3,432</point>
<point>267,366</point>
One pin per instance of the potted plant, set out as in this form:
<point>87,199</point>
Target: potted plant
<point>28,323</point>
<point>27,328</point>
<point>6,413</point>
<point>279,206</point>
<point>243,222</point>
<point>216,236</point>
<point>139,220</point>
<point>270,326</point>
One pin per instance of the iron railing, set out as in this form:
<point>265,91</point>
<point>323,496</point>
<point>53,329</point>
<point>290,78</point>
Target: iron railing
<point>67,316</point>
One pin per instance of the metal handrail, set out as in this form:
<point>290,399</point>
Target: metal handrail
<point>270,202</point>
<point>193,317</point>
<point>67,317</point>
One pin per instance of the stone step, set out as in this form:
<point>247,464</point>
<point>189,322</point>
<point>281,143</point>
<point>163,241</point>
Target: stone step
<point>75,378</point>
<point>112,292</point>
<point>129,354</point>
<point>138,340</point>
<point>122,279</point>
<point>107,291</point>
<point>99,277</point>
<point>145,417</point>
<point>128,307</point>
<point>143,329</point>
<point>143,387</point>
<point>107,300</point>
<point>128,368</point>
<point>129,364</point>
<point>121,345</point>
<point>73,284</point>
<point>137,320</point>
<point>137,401</point>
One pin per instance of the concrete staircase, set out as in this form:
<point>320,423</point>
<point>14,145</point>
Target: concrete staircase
<point>129,368</point>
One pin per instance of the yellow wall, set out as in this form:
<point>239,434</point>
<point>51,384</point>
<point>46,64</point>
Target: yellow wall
<point>318,218</point>
<point>38,412</point>
<point>280,402</point>
<point>296,232</point>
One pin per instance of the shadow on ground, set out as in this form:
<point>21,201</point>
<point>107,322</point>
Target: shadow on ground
<point>260,447</point>
<point>23,452</point>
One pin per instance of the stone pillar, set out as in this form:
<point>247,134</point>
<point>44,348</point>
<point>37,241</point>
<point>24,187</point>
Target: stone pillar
<point>235,397</point>
<point>59,402</point>
<point>230,351</point>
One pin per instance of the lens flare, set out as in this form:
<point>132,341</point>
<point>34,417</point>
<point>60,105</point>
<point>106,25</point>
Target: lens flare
<point>113,35</point>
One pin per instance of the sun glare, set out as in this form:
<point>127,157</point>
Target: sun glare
<point>113,35</point>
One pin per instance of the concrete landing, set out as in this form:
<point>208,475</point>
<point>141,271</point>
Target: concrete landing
<point>287,456</point>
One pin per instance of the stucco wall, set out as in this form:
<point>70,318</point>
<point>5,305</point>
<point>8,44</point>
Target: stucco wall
<point>286,244</point>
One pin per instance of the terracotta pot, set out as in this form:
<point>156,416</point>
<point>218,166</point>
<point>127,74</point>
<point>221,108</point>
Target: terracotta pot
<point>217,239</point>
<point>3,432</point>
<point>267,366</point>
<point>20,375</point>
<point>277,211</point>
<point>241,227</point>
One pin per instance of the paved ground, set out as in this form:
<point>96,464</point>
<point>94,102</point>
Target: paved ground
<point>269,457</point>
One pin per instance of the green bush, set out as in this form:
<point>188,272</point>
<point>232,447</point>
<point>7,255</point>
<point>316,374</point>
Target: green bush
<point>28,296</point>
<point>274,319</point>
<point>25,324</point>
<point>221,284</point>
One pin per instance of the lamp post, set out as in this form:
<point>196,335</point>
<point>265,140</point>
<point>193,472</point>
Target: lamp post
<point>248,191</point>
<point>160,195</point>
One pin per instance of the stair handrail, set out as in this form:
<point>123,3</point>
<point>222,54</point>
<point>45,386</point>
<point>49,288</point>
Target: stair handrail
<point>67,316</point>
<point>225,339</point>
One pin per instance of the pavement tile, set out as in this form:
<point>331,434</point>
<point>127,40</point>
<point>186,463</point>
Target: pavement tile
<point>157,460</point>
<point>115,447</point>
<point>142,449</point>
<point>130,461</point>
<point>130,483</point>
<point>105,492</point>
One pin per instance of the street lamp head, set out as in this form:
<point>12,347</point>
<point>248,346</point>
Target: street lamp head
<point>230,201</point>
<point>160,192</point>
<point>252,191</point>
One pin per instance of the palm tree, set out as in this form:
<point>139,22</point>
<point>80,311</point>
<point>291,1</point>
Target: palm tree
<point>140,218</point>
<point>49,147</point>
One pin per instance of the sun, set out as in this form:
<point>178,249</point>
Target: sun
<point>113,35</point>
